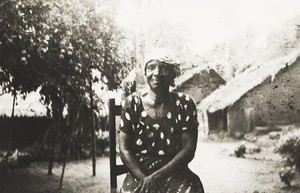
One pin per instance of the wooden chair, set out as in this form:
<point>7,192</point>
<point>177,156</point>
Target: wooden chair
<point>115,170</point>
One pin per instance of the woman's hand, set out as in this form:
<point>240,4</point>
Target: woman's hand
<point>182,158</point>
<point>149,182</point>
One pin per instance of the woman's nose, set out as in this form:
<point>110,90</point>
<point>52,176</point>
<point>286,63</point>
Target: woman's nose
<point>155,71</point>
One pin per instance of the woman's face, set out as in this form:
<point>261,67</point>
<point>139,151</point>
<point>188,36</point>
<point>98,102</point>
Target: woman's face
<point>159,75</point>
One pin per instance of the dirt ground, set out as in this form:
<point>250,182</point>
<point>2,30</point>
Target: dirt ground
<point>220,172</point>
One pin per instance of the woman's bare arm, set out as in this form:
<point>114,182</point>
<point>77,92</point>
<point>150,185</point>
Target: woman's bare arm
<point>183,157</point>
<point>128,157</point>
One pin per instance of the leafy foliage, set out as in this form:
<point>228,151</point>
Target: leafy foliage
<point>289,148</point>
<point>240,151</point>
<point>287,174</point>
<point>14,160</point>
<point>19,56</point>
<point>56,45</point>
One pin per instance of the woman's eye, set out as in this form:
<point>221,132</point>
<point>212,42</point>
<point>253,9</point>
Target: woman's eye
<point>164,69</point>
<point>151,68</point>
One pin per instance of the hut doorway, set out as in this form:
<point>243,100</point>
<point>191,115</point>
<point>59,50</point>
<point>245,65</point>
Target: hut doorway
<point>217,121</point>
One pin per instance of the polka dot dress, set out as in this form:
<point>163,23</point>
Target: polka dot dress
<point>157,140</point>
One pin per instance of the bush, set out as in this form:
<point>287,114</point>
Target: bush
<point>41,152</point>
<point>287,174</point>
<point>102,142</point>
<point>14,160</point>
<point>289,148</point>
<point>240,151</point>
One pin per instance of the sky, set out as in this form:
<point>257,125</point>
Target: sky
<point>211,21</point>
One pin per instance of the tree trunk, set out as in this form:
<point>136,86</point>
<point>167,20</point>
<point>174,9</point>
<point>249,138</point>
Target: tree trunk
<point>50,165</point>
<point>92,131</point>
<point>63,169</point>
<point>11,131</point>
<point>51,158</point>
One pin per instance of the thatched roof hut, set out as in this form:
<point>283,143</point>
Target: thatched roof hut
<point>235,88</point>
<point>267,94</point>
<point>198,82</point>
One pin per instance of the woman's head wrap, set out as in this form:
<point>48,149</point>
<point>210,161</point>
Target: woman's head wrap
<point>166,56</point>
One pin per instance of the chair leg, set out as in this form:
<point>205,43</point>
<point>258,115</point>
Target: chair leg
<point>113,190</point>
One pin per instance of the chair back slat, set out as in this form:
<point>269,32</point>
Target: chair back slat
<point>115,170</point>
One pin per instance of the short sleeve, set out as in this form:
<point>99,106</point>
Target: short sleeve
<point>189,119</point>
<point>129,113</point>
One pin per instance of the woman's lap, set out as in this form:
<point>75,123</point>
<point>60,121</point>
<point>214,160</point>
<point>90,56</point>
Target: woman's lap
<point>184,180</point>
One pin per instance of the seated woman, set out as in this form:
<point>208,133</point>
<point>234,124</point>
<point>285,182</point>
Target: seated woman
<point>158,135</point>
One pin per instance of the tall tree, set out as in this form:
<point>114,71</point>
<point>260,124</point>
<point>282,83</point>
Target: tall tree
<point>56,45</point>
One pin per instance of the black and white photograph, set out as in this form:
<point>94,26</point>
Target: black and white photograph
<point>149,96</point>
